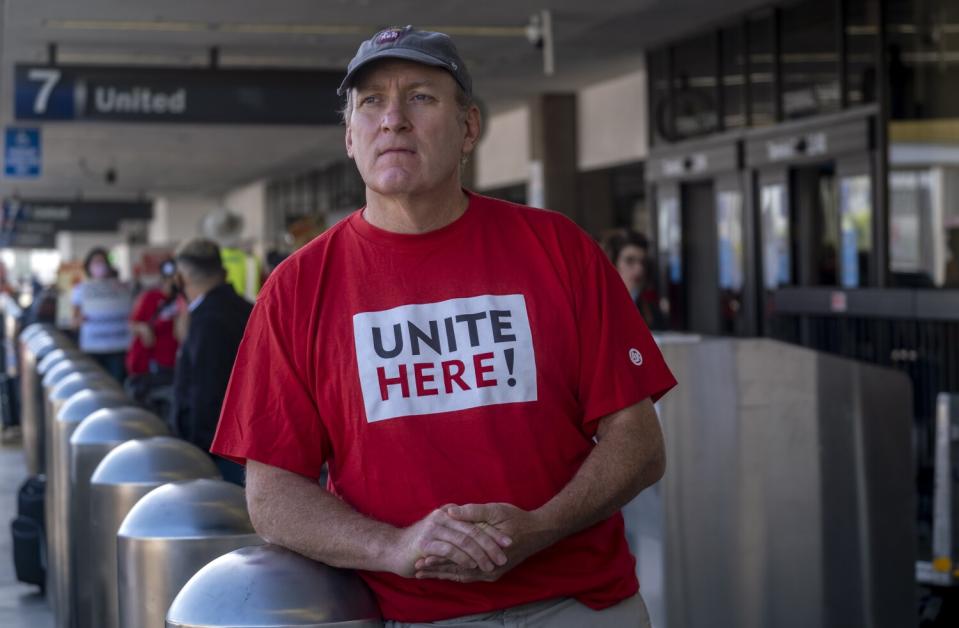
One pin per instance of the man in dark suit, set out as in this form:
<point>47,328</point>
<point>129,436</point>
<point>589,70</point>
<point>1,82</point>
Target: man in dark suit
<point>217,318</point>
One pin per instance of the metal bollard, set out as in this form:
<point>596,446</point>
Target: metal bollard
<point>54,397</point>
<point>74,383</point>
<point>127,474</point>
<point>65,367</point>
<point>33,329</point>
<point>37,344</point>
<point>271,586</point>
<point>57,355</point>
<point>57,373</point>
<point>168,536</point>
<point>98,435</point>
<point>57,499</point>
<point>32,350</point>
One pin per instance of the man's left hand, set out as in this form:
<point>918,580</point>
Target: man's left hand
<point>528,531</point>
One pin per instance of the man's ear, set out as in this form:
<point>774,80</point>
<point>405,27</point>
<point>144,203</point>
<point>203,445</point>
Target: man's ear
<point>474,126</point>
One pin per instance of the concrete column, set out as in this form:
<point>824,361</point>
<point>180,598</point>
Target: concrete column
<point>596,214</point>
<point>502,157</point>
<point>177,218</point>
<point>553,154</point>
<point>249,202</point>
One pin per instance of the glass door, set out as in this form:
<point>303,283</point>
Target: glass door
<point>700,246</point>
<point>856,216</point>
<point>776,231</point>
<point>670,253</point>
<point>731,258</point>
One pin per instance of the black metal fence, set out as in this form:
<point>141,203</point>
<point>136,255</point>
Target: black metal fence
<point>926,350</point>
<point>921,342</point>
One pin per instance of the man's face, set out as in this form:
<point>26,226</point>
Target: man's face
<point>406,131</point>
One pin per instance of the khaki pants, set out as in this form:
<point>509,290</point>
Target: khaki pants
<point>558,613</point>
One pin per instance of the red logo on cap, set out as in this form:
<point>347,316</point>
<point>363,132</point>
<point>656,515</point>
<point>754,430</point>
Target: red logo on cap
<point>387,36</point>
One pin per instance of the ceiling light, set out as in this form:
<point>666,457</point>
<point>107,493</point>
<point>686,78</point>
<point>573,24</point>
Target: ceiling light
<point>480,31</point>
<point>271,29</point>
<point>128,25</point>
<point>295,29</point>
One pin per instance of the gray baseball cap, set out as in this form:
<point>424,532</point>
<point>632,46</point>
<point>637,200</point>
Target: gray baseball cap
<point>426,47</point>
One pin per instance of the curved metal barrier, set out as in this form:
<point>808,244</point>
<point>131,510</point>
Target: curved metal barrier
<point>272,586</point>
<point>168,536</point>
<point>124,476</point>
<point>101,432</point>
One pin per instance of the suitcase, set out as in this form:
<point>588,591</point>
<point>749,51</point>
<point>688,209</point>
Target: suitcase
<point>27,531</point>
<point>30,499</point>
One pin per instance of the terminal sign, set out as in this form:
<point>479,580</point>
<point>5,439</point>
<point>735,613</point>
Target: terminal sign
<point>21,152</point>
<point>184,95</point>
<point>803,146</point>
<point>139,100</point>
<point>692,164</point>
<point>34,223</point>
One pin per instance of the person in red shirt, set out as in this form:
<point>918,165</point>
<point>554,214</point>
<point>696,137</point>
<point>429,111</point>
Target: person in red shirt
<point>472,373</point>
<point>153,346</point>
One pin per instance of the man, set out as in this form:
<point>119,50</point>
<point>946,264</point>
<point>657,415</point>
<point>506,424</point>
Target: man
<point>450,358</point>
<point>218,317</point>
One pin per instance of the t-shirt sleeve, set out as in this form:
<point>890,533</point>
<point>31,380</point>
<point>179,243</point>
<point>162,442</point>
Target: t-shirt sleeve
<point>269,413</point>
<point>620,364</point>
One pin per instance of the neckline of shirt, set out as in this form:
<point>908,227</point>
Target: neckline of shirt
<point>407,240</point>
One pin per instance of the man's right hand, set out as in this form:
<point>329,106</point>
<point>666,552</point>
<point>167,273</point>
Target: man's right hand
<point>294,511</point>
<point>460,542</point>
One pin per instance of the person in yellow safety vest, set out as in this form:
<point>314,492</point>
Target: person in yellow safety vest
<point>244,279</point>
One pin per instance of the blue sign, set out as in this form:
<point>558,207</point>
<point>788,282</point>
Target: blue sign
<point>44,93</point>
<point>21,155</point>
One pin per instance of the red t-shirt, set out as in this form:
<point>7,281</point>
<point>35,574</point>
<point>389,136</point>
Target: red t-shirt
<point>149,308</point>
<point>466,365</point>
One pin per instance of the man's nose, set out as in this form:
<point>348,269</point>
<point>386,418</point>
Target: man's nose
<point>395,118</point>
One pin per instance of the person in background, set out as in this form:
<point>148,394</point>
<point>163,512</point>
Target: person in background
<point>101,309</point>
<point>9,408</point>
<point>6,286</point>
<point>153,347</point>
<point>218,318</point>
<point>628,250</point>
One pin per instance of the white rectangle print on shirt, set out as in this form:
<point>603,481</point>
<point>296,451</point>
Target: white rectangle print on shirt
<point>451,355</point>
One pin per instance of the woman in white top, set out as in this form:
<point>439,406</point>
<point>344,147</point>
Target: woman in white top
<point>101,309</point>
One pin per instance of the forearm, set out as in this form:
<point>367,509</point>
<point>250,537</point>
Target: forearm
<point>628,458</point>
<point>296,512</point>
<point>143,332</point>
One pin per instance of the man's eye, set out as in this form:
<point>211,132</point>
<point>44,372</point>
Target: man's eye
<point>422,97</point>
<point>366,100</point>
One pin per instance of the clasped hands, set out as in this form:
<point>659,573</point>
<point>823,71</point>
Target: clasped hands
<point>471,543</point>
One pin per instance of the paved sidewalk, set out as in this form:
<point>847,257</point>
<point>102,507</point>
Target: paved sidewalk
<point>21,605</point>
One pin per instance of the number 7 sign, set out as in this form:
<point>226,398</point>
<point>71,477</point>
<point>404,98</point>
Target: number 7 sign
<point>44,93</point>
